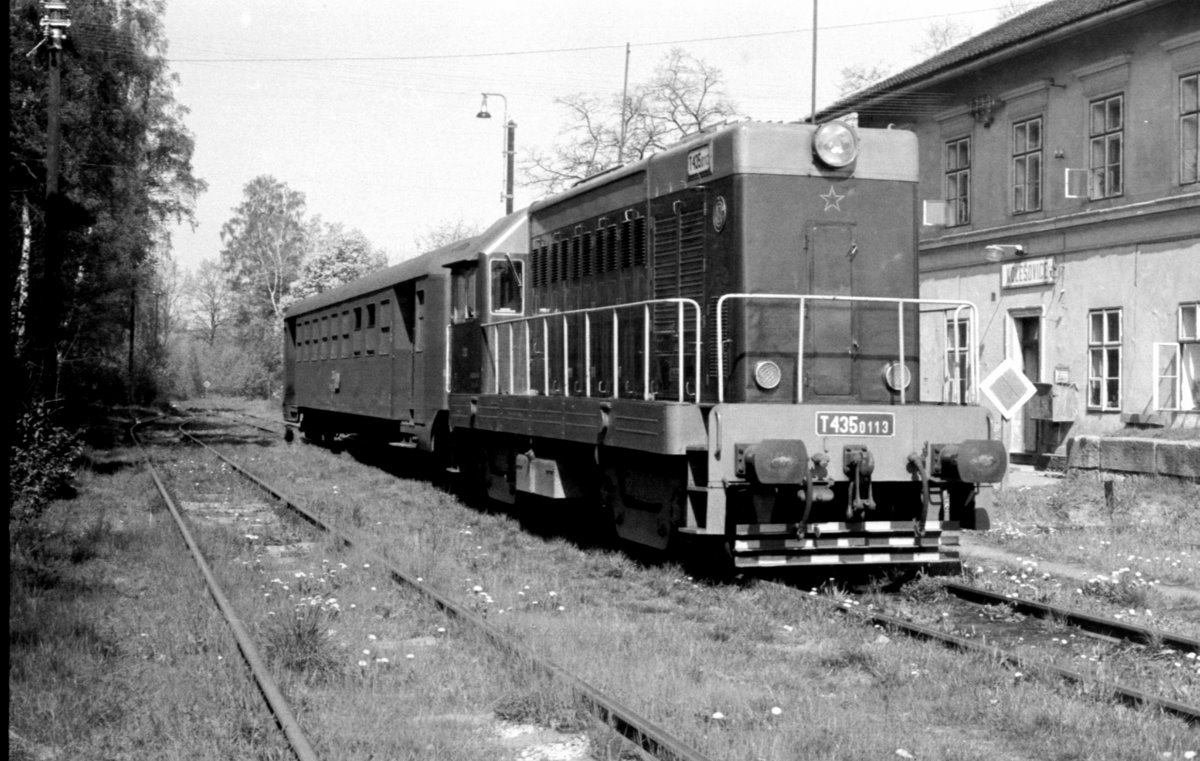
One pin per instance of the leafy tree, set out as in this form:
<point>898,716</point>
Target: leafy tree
<point>125,174</point>
<point>684,96</point>
<point>338,256</point>
<point>263,249</point>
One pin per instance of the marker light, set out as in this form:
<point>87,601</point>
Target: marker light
<point>767,375</point>
<point>897,376</point>
<point>835,144</point>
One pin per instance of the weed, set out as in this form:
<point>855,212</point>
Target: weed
<point>925,589</point>
<point>544,707</point>
<point>299,640</point>
<point>1122,588</point>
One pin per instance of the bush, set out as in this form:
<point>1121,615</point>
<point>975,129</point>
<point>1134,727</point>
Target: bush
<point>42,463</point>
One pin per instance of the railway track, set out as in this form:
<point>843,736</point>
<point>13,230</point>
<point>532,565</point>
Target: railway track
<point>1005,637</point>
<point>637,729</point>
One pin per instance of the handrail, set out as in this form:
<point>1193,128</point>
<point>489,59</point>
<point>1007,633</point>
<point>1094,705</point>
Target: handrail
<point>946,305</point>
<point>681,305</point>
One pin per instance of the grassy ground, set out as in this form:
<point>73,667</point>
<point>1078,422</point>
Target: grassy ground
<point>748,671</point>
<point>1148,529</point>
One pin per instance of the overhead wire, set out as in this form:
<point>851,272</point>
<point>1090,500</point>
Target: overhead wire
<point>578,49</point>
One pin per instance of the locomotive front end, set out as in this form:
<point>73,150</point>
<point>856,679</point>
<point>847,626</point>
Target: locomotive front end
<point>846,428</point>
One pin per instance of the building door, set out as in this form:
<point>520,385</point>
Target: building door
<point>1025,347</point>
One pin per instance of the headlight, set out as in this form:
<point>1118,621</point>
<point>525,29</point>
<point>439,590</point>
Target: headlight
<point>835,144</point>
<point>896,376</point>
<point>767,375</point>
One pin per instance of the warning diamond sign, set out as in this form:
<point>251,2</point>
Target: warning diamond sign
<point>1007,388</point>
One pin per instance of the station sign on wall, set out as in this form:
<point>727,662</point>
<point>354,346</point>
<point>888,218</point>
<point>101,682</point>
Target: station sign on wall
<point>1025,273</point>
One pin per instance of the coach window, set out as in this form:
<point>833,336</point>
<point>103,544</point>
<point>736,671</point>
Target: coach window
<point>325,337</point>
<point>419,322</point>
<point>345,323</point>
<point>372,334</point>
<point>358,324</point>
<point>385,326</point>
<point>506,286</point>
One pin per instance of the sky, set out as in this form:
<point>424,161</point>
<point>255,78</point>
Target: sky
<point>369,109</point>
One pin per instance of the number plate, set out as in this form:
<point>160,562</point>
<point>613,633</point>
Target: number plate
<point>856,424</point>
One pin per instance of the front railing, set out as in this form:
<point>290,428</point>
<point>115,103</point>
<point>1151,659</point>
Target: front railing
<point>599,352</point>
<point>955,356</point>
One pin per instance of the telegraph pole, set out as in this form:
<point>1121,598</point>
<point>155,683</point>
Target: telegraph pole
<point>45,277</point>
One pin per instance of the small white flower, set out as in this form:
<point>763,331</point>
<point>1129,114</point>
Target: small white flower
<point>776,711</point>
<point>902,753</point>
<point>372,637</point>
<point>409,656</point>
<point>718,716</point>
<point>366,652</point>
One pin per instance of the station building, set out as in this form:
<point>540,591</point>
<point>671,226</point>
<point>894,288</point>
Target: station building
<point>1060,190</point>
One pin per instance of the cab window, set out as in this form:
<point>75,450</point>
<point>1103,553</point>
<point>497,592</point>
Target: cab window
<point>462,307</point>
<point>506,280</point>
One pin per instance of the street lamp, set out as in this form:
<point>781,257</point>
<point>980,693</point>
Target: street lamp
<point>507,149</point>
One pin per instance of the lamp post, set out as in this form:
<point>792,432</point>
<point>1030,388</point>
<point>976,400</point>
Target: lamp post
<point>507,150</point>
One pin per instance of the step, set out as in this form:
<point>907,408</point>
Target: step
<point>864,527</point>
<point>856,558</point>
<point>811,544</point>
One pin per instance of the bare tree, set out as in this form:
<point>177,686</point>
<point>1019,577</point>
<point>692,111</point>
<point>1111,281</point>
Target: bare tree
<point>210,299</point>
<point>443,233</point>
<point>684,96</point>
<point>858,76</point>
<point>940,36</point>
<point>1012,8</point>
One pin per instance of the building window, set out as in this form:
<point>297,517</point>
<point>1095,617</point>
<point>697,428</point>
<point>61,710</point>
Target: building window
<point>958,366</point>
<point>1104,359</point>
<point>1189,128</point>
<point>1107,132</point>
<point>1027,166</point>
<point>958,182</point>
<point>1177,365</point>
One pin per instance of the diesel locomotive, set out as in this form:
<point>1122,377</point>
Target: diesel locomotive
<point>721,346</point>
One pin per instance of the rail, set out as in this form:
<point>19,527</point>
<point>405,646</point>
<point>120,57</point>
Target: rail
<point>518,342</point>
<point>954,347</point>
